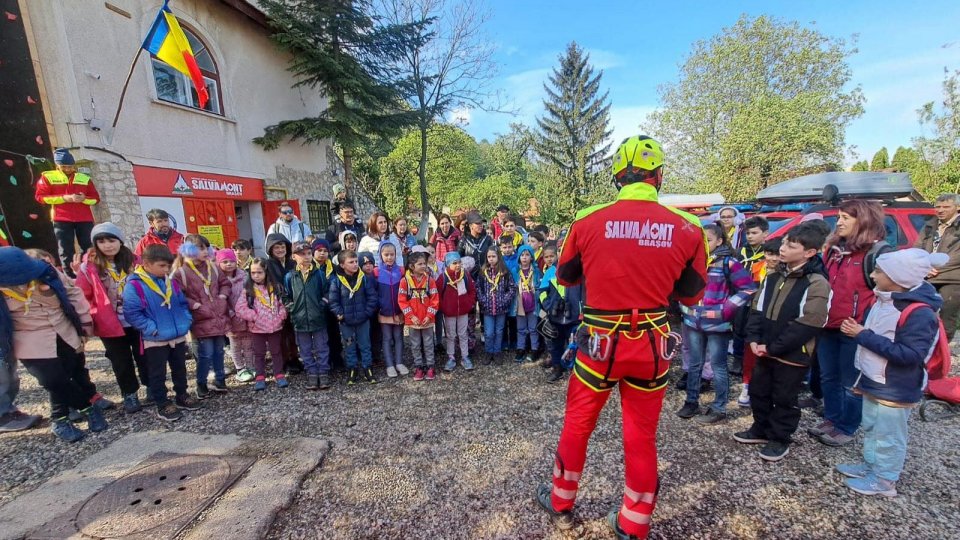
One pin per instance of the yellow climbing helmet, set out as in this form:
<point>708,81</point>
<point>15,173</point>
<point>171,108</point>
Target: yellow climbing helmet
<point>637,152</point>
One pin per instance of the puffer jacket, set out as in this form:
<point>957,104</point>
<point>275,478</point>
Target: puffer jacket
<point>262,319</point>
<point>852,297</point>
<point>892,360</point>
<point>103,295</point>
<point>452,303</point>
<point>789,312</point>
<point>361,307</point>
<point>496,300</point>
<point>388,288</point>
<point>236,292</point>
<point>306,299</point>
<point>208,305</point>
<point>419,298</point>
<point>143,309</point>
<point>727,290</point>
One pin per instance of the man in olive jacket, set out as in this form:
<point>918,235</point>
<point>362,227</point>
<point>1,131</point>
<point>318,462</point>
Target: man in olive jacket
<point>942,235</point>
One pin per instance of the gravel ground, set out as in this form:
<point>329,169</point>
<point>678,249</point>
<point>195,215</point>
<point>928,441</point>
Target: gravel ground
<point>460,457</point>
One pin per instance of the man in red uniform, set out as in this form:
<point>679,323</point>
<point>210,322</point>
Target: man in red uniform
<point>632,255</point>
<point>161,233</point>
<point>71,194</point>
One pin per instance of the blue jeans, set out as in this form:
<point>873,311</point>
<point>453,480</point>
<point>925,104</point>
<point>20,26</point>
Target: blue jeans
<point>357,337</point>
<point>842,407</point>
<point>708,347</point>
<point>885,438</point>
<point>210,354</point>
<point>527,327</point>
<point>314,352</point>
<point>391,336</point>
<point>9,383</point>
<point>493,332</point>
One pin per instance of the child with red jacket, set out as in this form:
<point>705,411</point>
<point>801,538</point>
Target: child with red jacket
<point>458,295</point>
<point>419,301</point>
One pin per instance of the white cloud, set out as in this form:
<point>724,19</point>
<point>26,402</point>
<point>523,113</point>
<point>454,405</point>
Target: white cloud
<point>625,121</point>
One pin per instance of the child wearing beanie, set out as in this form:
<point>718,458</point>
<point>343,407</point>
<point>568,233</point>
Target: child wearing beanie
<point>458,295</point>
<point>893,346</point>
<point>241,340</point>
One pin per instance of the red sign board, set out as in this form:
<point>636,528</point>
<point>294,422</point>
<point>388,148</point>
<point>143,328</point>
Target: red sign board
<point>158,182</point>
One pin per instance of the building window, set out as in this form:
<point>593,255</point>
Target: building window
<point>176,87</point>
<point>318,215</point>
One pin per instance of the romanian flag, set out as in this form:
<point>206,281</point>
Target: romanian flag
<point>167,42</point>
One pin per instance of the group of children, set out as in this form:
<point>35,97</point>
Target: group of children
<point>775,298</point>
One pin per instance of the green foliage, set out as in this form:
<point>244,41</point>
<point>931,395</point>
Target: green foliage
<point>726,107</point>
<point>860,166</point>
<point>338,49</point>
<point>904,158</point>
<point>881,160</point>
<point>938,168</point>
<point>574,133</point>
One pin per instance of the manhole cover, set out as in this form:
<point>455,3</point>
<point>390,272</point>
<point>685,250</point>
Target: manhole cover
<point>156,500</point>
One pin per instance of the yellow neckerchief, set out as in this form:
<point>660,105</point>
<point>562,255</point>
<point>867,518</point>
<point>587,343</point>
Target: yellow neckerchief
<point>246,265</point>
<point>269,302</point>
<point>413,285</point>
<point>25,297</point>
<point>537,254</point>
<point>434,269</point>
<point>120,279</point>
<point>526,283</point>
<point>306,273</point>
<point>495,282</point>
<point>206,280</point>
<point>327,266</point>
<point>753,258</point>
<point>457,281</point>
<point>152,285</point>
<point>353,290</point>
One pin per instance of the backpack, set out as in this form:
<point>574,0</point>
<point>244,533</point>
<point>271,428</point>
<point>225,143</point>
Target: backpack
<point>938,365</point>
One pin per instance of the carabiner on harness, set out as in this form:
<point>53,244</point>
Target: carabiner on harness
<point>669,345</point>
<point>600,347</point>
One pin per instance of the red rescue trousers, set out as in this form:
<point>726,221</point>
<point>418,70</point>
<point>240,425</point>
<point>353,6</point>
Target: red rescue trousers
<point>640,402</point>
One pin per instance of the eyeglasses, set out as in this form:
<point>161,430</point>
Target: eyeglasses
<point>287,212</point>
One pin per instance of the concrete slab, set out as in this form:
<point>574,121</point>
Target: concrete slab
<point>245,511</point>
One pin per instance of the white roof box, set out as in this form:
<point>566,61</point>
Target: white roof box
<point>691,201</point>
<point>874,185</point>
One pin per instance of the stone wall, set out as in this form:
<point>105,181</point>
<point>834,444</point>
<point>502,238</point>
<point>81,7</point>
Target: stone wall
<point>119,202</point>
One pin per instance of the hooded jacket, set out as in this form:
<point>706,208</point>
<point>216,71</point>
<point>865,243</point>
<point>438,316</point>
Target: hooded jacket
<point>496,300</point>
<point>294,231</point>
<point>535,277</point>
<point>388,288</point>
<point>208,304</point>
<point>452,302</point>
<point>892,360</point>
<point>727,289</point>
<point>103,295</point>
<point>278,269</point>
<point>363,304</point>
<point>789,312</point>
<point>143,309</point>
<point>337,229</point>
<point>306,299</point>
<point>341,241</point>
<point>736,235</point>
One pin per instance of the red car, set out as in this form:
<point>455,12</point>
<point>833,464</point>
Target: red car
<point>903,220</point>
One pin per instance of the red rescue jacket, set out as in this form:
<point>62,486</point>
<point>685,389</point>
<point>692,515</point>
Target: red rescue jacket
<point>52,186</point>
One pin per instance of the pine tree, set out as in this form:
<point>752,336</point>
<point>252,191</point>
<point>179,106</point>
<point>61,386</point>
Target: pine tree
<point>861,166</point>
<point>881,160</point>
<point>903,158</point>
<point>574,132</point>
<point>345,53</point>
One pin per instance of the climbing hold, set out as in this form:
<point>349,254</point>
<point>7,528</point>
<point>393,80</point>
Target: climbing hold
<point>31,101</point>
<point>39,139</point>
<point>26,234</point>
<point>13,179</point>
<point>8,162</point>
<point>10,16</point>
<point>33,216</point>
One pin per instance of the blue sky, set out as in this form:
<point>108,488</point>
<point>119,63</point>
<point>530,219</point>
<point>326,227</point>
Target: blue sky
<point>903,49</point>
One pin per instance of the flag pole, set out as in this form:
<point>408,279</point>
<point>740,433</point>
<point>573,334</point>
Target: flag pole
<point>126,83</point>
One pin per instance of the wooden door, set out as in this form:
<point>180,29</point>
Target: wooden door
<point>201,214</point>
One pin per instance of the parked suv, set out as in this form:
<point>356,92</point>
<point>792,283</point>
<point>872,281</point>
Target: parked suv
<point>903,220</point>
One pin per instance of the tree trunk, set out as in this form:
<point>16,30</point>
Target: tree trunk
<point>422,173</point>
<point>348,170</point>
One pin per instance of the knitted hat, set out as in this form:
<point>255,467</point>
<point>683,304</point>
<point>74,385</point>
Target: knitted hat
<point>451,257</point>
<point>62,156</point>
<point>321,243</point>
<point>106,229</point>
<point>909,267</point>
<point>365,257</point>
<point>338,188</point>
<point>226,255</point>
<point>419,249</point>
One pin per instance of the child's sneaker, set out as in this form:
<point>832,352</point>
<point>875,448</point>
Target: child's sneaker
<point>518,358</point>
<point>65,430</point>
<point>313,382</point>
<point>169,412</point>
<point>418,374</point>
<point>774,451</point>
<point>131,403</point>
<point>368,376</point>
<point>871,484</point>
<point>402,369</point>
<point>450,365</point>
<point>187,403</point>
<point>749,437</point>
<point>352,379</point>
<point>202,391</point>
<point>391,372</point>
<point>245,375</point>
<point>431,374</point>
<point>744,399</point>
<point>556,375</point>
<point>282,381</point>
<point>323,382</point>
<point>823,427</point>
<point>96,422</point>
<point>467,364</point>
<point>528,359</point>
<point>260,385</point>
<point>220,387</point>
<point>853,470</point>
<point>835,438</point>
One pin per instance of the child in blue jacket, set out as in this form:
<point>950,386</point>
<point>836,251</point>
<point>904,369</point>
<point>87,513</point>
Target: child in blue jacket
<point>388,275</point>
<point>353,298</point>
<point>158,309</point>
<point>891,356</point>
